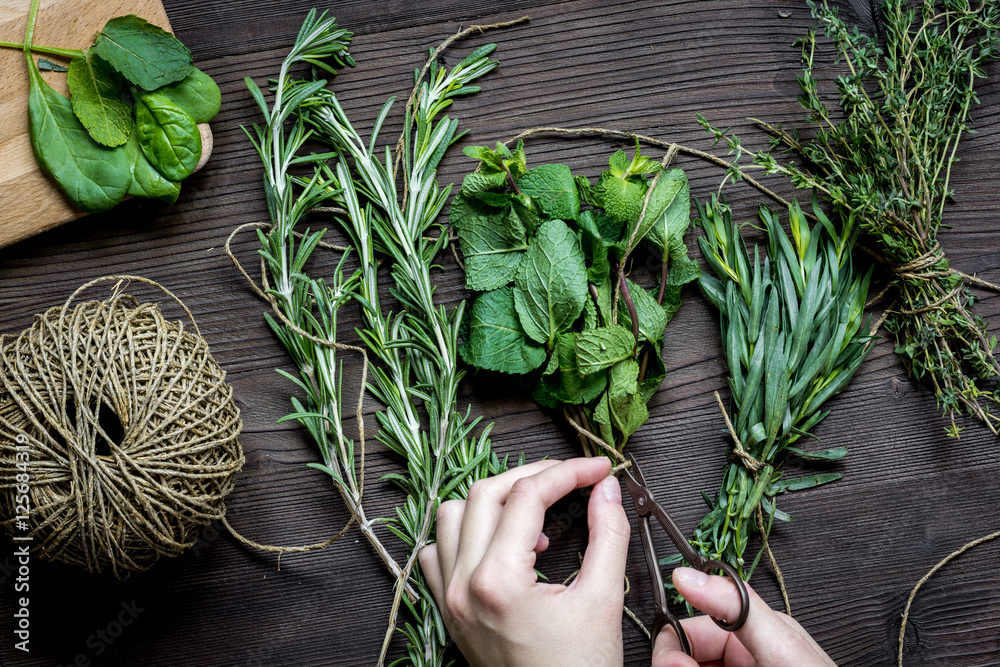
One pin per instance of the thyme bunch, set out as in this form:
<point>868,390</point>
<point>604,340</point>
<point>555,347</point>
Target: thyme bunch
<point>886,157</point>
<point>793,336</point>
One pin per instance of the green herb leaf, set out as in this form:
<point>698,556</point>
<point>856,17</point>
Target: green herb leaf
<point>800,483</point>
<point>100,99</point>
<point>197,94</point>
<point>551,186</point>
<point>168,136</point>
<point>144,54</point>
<point>147,182</point>
<point>652,317</point>
<point>496,341</point>
<point>671,215</point>
<point>492,240</point>
<point>621,199</point>
<point>571,384</point>
<point>603,347</point>
<point>551,283</point>
<point>94,178</point>
<point>628,409</point>
<point>826,454</point>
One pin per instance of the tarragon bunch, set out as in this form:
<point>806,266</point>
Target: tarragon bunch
<point>886,158</point>
<point>793,336</point>
<point>548,253</point>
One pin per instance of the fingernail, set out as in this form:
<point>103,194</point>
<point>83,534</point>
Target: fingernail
<point>690,576</point>
<point>611,489</point>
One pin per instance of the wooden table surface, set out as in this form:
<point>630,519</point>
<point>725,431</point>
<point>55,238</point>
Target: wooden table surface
<point>909,495</point>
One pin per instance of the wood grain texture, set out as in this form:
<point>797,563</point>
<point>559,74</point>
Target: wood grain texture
<point>909,495</point>
<point>31,202</point>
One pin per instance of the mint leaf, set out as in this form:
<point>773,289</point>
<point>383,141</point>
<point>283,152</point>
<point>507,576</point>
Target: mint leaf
<point>197,94</point>
<point>602,415</point>
<point>602,347</point>
<point>570,384</point>
<point>552,187</point>
<point>479,181</point>
<point>656,371</point>
<point>668,207</point>
<point>144,54</point>
<point>673,215</point>
<point>628,409</point>
<point>551,283</point>
<point>652,317</point>
<point>594,248</point>
<point>100,99</point>
<point>621,199</point>
<point>496,341</point>
<point>492,243</point>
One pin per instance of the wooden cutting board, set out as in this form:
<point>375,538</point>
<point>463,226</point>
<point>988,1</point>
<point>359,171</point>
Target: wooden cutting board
<point>30,202</point>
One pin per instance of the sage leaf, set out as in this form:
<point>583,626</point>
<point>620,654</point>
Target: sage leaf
<point>197,94</point>
<point>99,99</point>
<point>492,240</point>
<point>551,283</point>
<point>672,217</point>
<point>146,181</point>
<point>168,136</point>
<point>94,177</point>
<point>143,53</point>
<point>496,341</point>
<point>552,187</point>
<point>603,347</point>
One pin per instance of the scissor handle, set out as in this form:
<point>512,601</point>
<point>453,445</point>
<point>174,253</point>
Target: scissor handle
<point>707,566</point>
<point>674,622</point>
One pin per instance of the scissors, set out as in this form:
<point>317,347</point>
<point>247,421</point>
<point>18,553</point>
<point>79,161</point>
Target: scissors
<point>646,506</point>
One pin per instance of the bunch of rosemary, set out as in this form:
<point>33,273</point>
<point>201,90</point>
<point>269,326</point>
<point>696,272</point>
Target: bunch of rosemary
<point>792,337</point>
<point>417,375</point>
<point>886,158</point>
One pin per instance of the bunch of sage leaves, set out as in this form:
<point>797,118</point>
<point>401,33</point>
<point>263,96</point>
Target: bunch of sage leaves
<point>131,125</point>
<point>548,252</point>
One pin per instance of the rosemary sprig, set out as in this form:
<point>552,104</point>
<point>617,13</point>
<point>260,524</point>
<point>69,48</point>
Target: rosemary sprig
<point>793,337</point>
<point>305,309</point>
<point>889,162</point>
<point>417,347</point>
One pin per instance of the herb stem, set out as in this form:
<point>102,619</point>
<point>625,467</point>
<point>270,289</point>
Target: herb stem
<point>29,32</point>
<point>50,50</point>
<point>632,313</point>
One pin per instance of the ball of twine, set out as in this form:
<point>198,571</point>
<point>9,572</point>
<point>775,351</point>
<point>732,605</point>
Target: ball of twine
<point>130,432</point>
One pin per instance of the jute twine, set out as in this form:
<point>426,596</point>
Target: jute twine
<point>97,501</point>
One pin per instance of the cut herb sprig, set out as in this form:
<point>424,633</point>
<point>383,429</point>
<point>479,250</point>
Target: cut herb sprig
<point>793,336</point>
<point>889,161</point>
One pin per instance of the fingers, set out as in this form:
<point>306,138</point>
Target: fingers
<point>482,510</point>
<point>766,636</point>
<point>449,525</point>
<point>520,524</point>
<point>708,641</point>
<point>431,568</point>
<point>603,568</point>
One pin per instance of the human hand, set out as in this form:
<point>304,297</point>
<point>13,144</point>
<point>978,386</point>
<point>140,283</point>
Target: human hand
<point>768,639</point>
<point>481,571</point>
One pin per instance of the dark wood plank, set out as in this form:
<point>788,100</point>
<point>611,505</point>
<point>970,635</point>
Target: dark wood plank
<point>909,495</point>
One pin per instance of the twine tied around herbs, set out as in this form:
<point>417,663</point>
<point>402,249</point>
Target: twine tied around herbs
<point>103,499</point>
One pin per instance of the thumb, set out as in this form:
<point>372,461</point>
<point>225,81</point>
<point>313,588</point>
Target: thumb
<point>768,638</point>
<point>602,573</point>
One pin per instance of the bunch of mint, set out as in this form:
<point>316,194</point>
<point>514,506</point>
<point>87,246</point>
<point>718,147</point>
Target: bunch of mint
<point>549,253</point>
